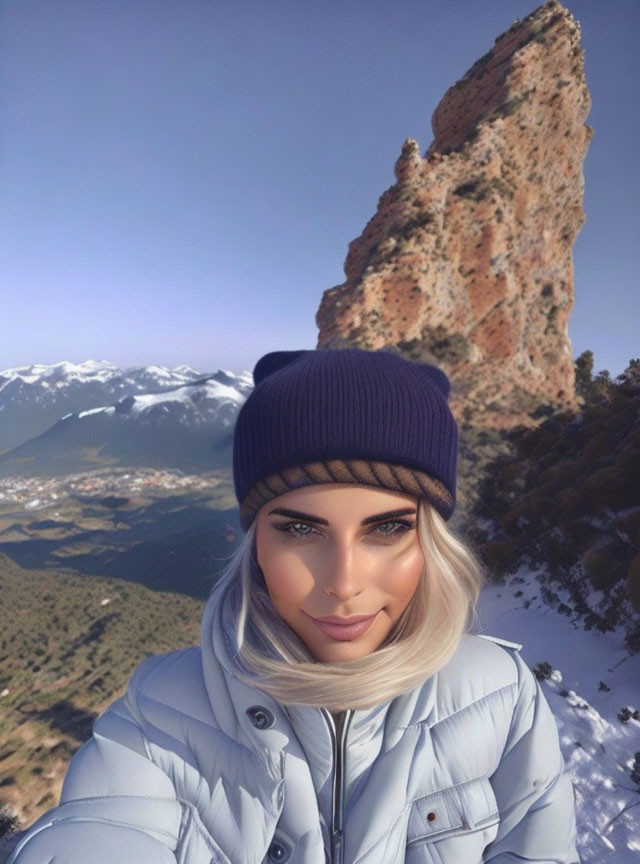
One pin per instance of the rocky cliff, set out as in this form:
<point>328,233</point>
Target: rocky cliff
<point>467,262</point>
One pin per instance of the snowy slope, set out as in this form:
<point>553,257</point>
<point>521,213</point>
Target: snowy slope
<point>601,763</point>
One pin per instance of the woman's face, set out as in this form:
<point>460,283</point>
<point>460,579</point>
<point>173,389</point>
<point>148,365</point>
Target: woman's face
<point>343,550</point>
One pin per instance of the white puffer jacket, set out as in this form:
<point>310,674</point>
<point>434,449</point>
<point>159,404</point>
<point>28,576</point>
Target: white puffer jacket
<point>192,766</point>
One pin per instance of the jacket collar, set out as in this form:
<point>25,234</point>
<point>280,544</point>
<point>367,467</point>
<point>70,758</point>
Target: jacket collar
<point>385,722</point>
<point>297,801</point>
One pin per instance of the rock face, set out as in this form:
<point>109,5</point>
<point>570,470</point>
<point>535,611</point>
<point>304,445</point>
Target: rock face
<point>467,262</point>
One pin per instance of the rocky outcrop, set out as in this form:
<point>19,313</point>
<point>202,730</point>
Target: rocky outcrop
<point>467,262</point>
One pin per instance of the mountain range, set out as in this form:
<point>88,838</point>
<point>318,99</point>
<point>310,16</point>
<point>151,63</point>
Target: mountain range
<point>66,417</point>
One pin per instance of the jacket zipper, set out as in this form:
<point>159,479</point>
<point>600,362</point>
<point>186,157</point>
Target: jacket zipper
<point>339,741</point>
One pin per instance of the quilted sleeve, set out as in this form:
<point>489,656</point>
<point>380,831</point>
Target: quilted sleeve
<point>532,785</point>
<point>116,806</point>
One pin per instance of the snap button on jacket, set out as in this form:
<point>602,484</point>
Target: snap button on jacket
<point>193,766</point>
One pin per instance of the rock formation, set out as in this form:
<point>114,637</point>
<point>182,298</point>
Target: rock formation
<point>467,262</point>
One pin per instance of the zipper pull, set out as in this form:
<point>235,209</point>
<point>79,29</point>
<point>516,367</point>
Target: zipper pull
<point>337,844</point>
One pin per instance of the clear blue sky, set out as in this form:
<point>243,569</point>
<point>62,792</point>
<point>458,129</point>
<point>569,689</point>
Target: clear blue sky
<point>180,179</point>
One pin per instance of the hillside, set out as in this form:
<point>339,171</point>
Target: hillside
<point>69,644</point>
<point>567,497</point>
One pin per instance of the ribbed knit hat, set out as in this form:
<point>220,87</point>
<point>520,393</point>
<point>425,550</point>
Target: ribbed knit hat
<point>345,416</point>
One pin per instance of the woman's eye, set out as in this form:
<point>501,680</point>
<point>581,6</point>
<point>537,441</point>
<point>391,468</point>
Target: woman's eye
<point>405,526</point>
<point>293,528</point>
<point>295,533</point>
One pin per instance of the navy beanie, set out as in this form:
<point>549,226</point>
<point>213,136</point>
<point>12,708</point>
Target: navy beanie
<point>345,415</point>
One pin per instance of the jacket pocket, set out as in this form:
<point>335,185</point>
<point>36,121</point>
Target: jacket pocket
<point>464,809</point>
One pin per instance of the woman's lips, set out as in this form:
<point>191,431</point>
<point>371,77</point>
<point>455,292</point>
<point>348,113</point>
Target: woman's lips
<point>345,632</point>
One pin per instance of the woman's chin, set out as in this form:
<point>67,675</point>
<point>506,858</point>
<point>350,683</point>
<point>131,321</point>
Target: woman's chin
<point>327,650</point>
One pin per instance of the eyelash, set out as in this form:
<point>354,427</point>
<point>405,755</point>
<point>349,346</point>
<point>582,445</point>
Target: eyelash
<point>296,534</point>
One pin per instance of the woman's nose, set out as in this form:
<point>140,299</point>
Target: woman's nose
<point>342,573</point>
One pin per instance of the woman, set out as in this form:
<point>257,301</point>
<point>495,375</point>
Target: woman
<point>338,709</point>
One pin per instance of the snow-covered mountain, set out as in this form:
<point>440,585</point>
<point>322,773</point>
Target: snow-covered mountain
<point>95,414</point>
<point>33,398</point>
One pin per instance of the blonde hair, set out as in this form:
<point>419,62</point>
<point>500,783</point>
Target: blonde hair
<point>274,659</point>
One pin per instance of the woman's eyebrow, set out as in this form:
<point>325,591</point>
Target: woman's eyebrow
<point>308,517</point>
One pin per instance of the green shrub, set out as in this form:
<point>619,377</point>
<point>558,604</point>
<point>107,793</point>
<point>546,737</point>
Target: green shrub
<point>628,460</point>
<point>610,488</point>
<point>543,512</point>
<point>499,557</point>
<point>633,582</point>
<point>596,447</point>
<point>569,499</point>
<point>599,568</point>
<point>508,523</point>
<point>9,819</point>
<point>579,534</point>
<point>630,524</point>
<point>556,476</point>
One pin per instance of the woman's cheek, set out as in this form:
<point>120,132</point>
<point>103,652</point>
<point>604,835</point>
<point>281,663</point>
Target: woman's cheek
<point>404,571</point>
<point>288,580</point>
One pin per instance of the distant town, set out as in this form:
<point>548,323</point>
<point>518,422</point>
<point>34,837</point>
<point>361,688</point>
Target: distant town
<point>37,493</point>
